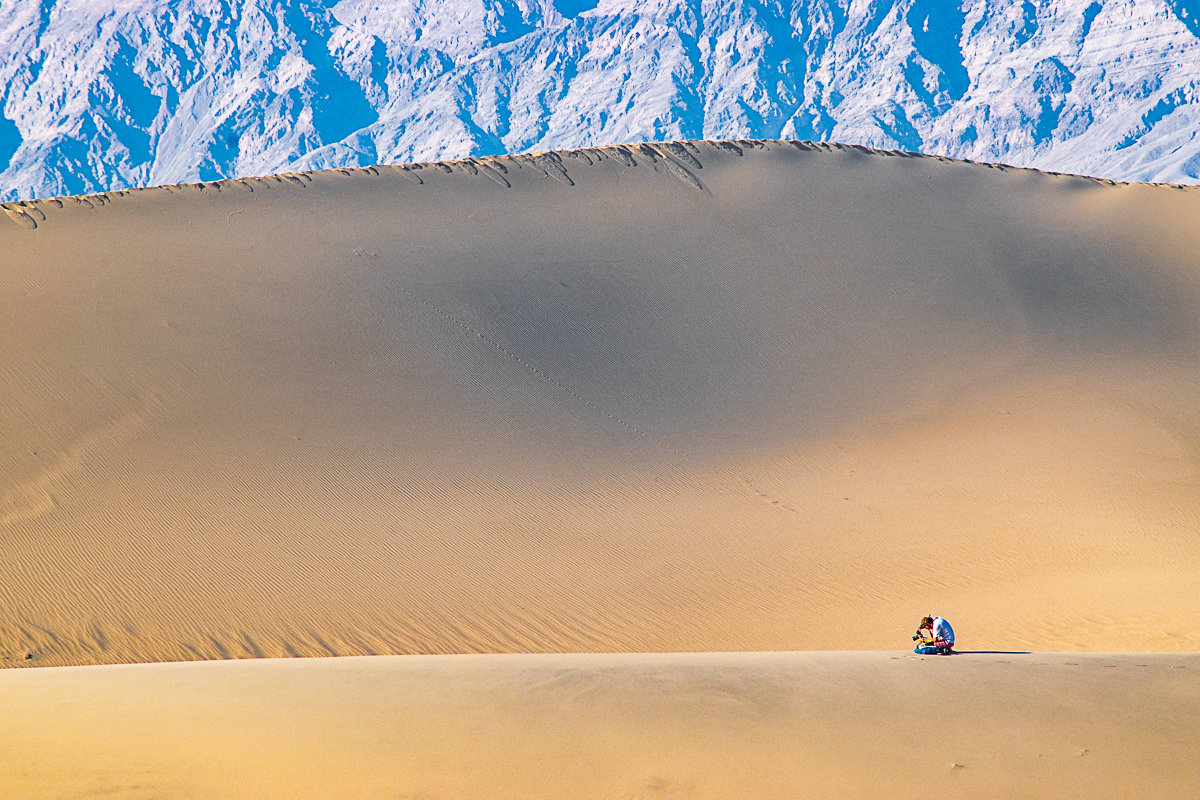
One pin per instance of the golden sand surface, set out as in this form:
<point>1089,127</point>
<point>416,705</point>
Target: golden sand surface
<point>688,726</point>
<point>674,397</point>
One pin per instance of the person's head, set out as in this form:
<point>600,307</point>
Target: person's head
<point>926,623</point>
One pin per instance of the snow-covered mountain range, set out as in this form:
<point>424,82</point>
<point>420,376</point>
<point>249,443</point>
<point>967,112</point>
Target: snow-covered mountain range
<point>107,94</point>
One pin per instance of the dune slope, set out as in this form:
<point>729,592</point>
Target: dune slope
<point>719,725</point>
<point>696,396</point>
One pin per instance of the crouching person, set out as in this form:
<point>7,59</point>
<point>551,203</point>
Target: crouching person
<point>940,640</point>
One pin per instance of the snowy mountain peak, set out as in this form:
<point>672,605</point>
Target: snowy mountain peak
<point>106,95</point>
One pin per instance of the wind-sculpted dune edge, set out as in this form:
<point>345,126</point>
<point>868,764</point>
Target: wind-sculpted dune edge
<point>821,724</point>
<point>682,396</point>
<point>675,157</point>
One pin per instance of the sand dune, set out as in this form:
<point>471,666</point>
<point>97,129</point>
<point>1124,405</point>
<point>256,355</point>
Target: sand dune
<point>690,396</point>
<point>837,725</point>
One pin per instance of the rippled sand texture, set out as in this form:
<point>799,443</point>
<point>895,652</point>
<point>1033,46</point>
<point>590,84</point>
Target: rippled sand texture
<point>674,397</point>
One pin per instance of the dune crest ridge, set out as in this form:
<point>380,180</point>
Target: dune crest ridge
<point>675,156</point>
<point>712,725</point>
<point>681,396</point>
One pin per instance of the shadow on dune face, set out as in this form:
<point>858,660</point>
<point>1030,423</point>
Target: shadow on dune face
<point>1088,290</point>
<point>992,653</point>
<point>794,299</point>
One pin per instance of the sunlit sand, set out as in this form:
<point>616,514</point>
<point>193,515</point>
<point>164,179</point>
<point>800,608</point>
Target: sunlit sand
<point>660,398</point>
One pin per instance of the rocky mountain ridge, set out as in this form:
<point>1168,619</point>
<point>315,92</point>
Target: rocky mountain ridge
<point>111,94</point>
